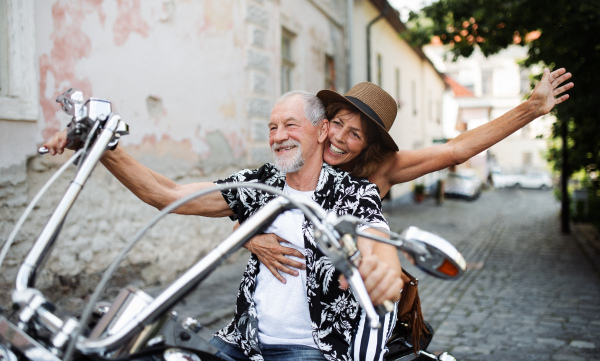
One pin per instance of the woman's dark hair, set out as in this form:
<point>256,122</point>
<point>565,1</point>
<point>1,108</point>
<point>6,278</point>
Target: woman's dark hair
<point>366,163</point>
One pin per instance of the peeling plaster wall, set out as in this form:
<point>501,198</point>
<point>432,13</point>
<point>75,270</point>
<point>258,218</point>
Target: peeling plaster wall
<point>169,70</point>
<point>194,80</point>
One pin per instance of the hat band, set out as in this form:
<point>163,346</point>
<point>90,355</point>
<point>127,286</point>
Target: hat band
<point>366,109</point>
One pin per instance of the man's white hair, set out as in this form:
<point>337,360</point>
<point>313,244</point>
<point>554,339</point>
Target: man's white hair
<point>314,110</point>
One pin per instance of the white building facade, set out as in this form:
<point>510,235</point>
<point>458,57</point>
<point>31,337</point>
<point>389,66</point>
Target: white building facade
<point>497,84</point>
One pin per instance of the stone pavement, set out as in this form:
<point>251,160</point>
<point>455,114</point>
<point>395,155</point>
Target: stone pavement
<point>531,293</point>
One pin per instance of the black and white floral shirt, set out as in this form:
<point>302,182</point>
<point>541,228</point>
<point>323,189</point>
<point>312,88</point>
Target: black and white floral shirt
<point>334,312</point>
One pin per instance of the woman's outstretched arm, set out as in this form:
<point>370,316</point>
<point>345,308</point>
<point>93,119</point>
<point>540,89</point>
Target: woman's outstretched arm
<point>407,165</point>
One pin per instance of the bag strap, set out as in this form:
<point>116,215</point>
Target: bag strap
<point>409,309</point>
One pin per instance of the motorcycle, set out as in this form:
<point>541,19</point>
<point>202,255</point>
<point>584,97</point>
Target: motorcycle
<point>138,326</point>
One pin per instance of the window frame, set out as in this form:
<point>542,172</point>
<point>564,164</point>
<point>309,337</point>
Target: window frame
<point>330,74</point>
<point>287,60</point>
<point>19,95</point>
<point>379,70</point>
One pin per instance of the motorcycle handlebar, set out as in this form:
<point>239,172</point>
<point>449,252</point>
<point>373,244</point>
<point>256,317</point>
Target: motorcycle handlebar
<point>326,238</point>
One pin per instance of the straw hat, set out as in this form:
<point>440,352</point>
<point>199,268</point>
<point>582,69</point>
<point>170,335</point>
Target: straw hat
<point>373,102</point>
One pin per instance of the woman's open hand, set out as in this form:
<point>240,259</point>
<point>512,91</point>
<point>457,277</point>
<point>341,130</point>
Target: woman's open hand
<point>273,255</point>
<point>548,91</point>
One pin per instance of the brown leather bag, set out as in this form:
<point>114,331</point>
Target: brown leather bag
<point>409,309</point>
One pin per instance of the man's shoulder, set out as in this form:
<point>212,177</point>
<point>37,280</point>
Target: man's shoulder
<point>265,168</point>
<point>266,171</point>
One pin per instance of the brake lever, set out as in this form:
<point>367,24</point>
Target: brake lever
<point>71,102</point>
<point>349,224</point>
<point>85,118</point>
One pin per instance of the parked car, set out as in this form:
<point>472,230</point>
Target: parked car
<point>503,180</point>
<point>463,184</point>
<point>537,180</point>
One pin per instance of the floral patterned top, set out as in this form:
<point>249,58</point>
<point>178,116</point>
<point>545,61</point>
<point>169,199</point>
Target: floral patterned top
<point>334,312</point>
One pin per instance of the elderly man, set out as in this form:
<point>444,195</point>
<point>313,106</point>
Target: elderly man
<point>309,317</point>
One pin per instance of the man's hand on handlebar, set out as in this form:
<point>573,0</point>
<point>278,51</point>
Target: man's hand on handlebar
<point>383,283</point>
<point>274,256</point>
<point>58,143</point>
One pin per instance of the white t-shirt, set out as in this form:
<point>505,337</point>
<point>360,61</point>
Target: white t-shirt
<point>282,309</point>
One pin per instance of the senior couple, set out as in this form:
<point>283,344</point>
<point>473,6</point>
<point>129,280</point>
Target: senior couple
<point>316,141</point>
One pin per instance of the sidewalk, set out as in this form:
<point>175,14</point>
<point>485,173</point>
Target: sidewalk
<point>588,237</point>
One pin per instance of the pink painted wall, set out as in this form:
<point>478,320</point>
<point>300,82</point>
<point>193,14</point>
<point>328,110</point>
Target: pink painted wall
<point>175,68</point>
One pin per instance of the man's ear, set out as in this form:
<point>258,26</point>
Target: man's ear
<point>323,130</point>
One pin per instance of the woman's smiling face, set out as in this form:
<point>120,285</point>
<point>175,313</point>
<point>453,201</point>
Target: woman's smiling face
<point>346,139</point>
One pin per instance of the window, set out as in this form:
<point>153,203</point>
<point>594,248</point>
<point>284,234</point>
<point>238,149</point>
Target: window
<point>431,106</point>
<point>398,99</point>
<point>525,82</point>
<point>3,50</point>
<point>329,72</point>
<point>487,82</point>
<point>287,63</point>
<point>413,89</point>
<point>379,71</point>
<point>18,85</point>
<point>527,158</point>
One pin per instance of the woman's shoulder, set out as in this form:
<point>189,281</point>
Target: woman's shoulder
<point>381,175</point>
<point>343,177</point>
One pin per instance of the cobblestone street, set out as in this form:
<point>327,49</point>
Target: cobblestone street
<point>531,293</point>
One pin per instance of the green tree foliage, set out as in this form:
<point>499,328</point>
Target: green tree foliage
<point>569,37</point>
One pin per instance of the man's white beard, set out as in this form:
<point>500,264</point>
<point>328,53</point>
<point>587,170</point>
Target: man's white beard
<point>289,163</point>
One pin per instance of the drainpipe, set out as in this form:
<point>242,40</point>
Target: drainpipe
<point>349,29</point>
<point>383,13</point>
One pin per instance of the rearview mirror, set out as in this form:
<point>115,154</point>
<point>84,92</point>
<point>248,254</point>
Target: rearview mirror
<point>433,254</point>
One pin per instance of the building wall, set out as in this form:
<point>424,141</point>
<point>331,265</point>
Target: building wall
<point>319,29</point>
<point>520,155</point>
<point>195,81</point>
<point>419,91</point>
